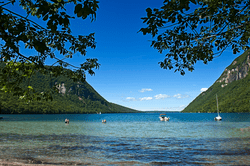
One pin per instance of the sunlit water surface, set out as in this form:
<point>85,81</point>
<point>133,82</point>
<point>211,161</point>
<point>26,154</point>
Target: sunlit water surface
<point>135,139</point>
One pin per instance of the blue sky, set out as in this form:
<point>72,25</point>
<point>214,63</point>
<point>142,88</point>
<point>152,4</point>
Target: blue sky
<point>129,74</point>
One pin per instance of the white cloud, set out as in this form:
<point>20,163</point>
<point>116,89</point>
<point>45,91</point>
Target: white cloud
<point>180,96</point>
<point>145,98</point>
<point>177,108</point>
<point>203,89</point>
<point>161,96</point>
<point>130,98</point>
<point>145,90</point>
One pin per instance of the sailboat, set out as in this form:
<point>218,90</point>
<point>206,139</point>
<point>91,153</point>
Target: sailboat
<point>218,118</point>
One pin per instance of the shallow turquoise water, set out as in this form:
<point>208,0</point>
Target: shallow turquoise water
<point>187,139</point>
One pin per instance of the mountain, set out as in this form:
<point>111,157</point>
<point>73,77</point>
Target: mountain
<point>232,88</point>
<point>73,97</point>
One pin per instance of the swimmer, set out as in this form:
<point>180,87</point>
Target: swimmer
<point>66,121</point>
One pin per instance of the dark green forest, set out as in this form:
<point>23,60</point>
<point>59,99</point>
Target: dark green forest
<point>79,97</point>
<point>234,97</point>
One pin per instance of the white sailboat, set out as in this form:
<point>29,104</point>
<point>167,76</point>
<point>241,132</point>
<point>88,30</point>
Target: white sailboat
<point>218,118</point>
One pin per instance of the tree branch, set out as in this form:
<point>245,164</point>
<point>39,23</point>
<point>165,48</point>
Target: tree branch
<point>61,60</point>
<point>222,32</point>
<point>25,18</point>
<point>4,4</point>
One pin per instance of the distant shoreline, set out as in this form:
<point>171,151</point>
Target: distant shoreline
<point>139,112</point>
<point>71,113</point>
<point>161,112</point>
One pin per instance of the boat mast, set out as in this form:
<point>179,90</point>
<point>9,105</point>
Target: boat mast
<point>217,105</point>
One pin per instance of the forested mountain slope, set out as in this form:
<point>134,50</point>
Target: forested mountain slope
<point>232,88</point>
<point>73,97</point>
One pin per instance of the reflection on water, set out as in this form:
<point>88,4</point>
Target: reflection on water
<point>141,139</point>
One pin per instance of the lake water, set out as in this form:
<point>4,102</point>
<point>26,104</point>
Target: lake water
<point>126,139</point>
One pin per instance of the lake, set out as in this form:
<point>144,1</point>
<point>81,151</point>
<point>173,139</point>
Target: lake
<point>126,139</point>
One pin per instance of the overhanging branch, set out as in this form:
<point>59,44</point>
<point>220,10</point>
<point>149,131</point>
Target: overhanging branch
<point>24,18</point>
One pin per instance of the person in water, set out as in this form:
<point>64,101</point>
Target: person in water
<point>104,121</point>
<point>66,121</point>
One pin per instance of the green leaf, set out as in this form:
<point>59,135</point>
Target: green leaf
<point>30,87</point>
<point>78,8</point>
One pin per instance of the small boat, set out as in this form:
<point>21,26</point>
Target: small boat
<point>217,118</point>
<point>163,118</point>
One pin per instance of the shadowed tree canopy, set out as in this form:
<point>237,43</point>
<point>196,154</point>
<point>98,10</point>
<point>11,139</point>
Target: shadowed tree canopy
<point>48,41</point>
<point>187,31</point>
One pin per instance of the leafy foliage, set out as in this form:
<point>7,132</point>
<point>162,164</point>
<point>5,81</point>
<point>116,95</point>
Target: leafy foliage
<point>197,30</point>
<point>235,97</point>
<point>77,97</point>
<point>18,31</point>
